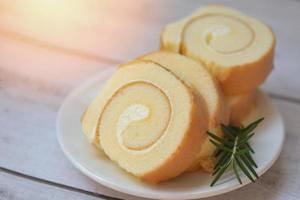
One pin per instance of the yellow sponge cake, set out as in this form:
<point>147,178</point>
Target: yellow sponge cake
<point>150,122</point>
<point>207,91</point>
<point>236,48</point>
<point>240,107</point>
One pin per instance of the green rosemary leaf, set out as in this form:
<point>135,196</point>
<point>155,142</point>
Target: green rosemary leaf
<point>223,160</point>
<point>220,146</point>
<point>227,131</point>
<point>221,156</point>
<point>243,135</point>
<point>243,168</point>
<point>249,165</point>
<point>236,172</point>
<point>252,126</point>
<point>217,138</point>
<point>234,130</point>
<point>249,157</point>
<point>244,140</point>
<point>242,152</point>
<point>234,151</point>
<point>219,174</point>
<point>250,148</point>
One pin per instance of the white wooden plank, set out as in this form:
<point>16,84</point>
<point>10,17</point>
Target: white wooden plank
<point>28,144</point>
<point>35,79</point>
<point>14,187</point>
<point>28,141</point>
<point>127,29</point>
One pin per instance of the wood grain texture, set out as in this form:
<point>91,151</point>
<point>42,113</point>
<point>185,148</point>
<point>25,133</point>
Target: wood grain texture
<point>17,188</point>
<point>28,141</point>
<point>29,145</point>
<point>42,59</point>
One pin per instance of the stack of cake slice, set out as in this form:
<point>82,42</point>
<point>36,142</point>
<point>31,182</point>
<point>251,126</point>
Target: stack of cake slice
<point>237,49</point>
<point>153,114</point>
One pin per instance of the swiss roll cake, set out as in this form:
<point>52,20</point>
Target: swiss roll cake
<point>149,121</point>
<point>152,115</point>
<point>236,48</point>
<point>207,91</point>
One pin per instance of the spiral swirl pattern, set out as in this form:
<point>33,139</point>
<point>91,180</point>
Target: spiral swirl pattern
<point>207,92</point>
<point>149,121</point>
<point>234,47</point>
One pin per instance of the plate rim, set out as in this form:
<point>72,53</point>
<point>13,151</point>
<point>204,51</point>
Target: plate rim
<point>116,187</point>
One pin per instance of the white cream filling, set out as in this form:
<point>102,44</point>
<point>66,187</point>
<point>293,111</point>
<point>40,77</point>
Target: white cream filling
<point>131,114</point>
<point>219,30</point>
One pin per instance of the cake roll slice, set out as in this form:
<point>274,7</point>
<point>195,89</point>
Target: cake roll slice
<point>236,48</point>
<point>207,91</point>
<point>149,122</point>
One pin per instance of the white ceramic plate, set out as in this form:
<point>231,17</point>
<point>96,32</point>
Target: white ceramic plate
<point>267,143</point>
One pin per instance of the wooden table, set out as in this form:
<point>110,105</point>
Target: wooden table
<point>49,47</point>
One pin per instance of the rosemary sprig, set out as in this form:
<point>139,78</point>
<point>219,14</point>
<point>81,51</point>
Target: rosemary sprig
<point>234,151</point>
